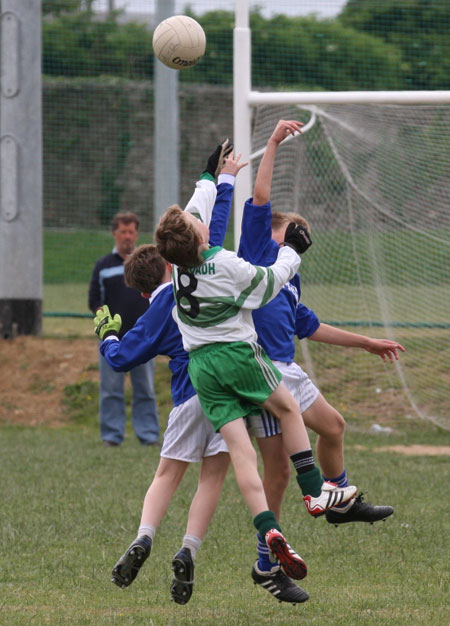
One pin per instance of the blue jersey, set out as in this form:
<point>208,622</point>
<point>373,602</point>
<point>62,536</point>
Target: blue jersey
<point>278,322</point>
<point>156,332</point>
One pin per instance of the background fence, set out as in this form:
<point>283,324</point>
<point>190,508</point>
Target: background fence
<point>372,181</point>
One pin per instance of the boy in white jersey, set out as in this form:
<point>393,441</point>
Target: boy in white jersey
<point>216,293</point>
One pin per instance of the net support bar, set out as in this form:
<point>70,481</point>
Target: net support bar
<point>256,98</point>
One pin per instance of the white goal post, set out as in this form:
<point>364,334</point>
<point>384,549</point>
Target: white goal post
<point>244,99</point>
<point>371,176</point>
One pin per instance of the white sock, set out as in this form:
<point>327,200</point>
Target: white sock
<point>147,529</point>
<point>193,543</point>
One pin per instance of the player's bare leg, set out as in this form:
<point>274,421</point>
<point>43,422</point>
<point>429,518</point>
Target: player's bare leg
<point>276,470</point>
<point>156,502</point>
<point>318,496</point>
<point>210,482</point>
<point>205,501</point>
<point>244,460</point>
<point>165,483</point>
<point>282,404</point>
<point>329,424</point>
<point>276,477</point>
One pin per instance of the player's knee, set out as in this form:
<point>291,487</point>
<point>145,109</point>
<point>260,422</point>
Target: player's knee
<point>171,471</point>
<point>336,425</point>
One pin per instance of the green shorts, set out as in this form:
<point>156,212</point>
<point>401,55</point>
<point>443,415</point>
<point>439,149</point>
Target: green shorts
<point>231,379</point>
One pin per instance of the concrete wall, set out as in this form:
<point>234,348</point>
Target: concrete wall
<point>98,146</point>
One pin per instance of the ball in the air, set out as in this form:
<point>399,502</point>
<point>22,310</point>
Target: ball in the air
<point>179,42</point>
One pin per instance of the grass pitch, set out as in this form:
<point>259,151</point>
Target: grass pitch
<point>71,507</point>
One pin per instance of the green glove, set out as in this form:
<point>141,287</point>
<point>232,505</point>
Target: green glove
<point>104,324</point>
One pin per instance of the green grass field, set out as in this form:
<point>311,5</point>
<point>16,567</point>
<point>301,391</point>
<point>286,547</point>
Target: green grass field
<point>70,508</point>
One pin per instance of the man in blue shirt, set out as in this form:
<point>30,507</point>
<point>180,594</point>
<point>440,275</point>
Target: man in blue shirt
<point>107,286</point>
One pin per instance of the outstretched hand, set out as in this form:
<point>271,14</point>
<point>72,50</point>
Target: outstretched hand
<point>284,128</point>
<point>385,348</point>
<point>217,159</point>
<point>232,165</point>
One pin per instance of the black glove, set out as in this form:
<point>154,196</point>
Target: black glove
<point>217,159</point>
<point>297,238</point>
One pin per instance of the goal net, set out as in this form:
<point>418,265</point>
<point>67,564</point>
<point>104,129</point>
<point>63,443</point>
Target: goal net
<point>373,182</point>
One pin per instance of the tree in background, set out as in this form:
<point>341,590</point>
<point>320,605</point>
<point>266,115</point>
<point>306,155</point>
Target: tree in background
<point>77,42</point>
<point>418,28</point>
<point>394,44</point>
<point>55,7</point>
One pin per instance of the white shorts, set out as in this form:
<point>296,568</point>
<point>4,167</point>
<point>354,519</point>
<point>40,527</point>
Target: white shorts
<point>300,386</point>
<point>190,435</point>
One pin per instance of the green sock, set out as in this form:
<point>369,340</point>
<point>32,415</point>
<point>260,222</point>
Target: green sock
<point>310,482</point>
<point>265,521</point>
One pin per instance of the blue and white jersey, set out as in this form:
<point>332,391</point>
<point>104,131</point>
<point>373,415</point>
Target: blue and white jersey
<point>279,321</point>
<point>156,332</point>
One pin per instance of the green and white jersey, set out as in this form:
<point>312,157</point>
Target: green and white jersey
<point>214,301</point>
<point>202,200</point>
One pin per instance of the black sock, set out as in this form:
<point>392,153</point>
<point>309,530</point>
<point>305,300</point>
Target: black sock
<point>303,461</point>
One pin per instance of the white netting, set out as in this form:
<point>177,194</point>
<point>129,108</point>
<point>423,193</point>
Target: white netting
<point>373,181</point>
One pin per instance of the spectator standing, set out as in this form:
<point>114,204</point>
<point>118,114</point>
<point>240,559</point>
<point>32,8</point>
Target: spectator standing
<point>107,286</point>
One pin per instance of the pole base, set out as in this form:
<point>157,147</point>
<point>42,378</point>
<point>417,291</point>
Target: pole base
<point>20,317</point>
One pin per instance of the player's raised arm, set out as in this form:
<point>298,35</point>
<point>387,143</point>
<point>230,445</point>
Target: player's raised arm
<point>202,201</point>
<point>263,182</point>
<point>222,207</point>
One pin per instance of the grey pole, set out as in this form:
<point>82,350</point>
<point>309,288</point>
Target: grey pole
<point>20,169</point>
<point>165,156</point>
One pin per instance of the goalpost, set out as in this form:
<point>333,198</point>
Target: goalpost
<point>245,99</point>
<point>370,172</point>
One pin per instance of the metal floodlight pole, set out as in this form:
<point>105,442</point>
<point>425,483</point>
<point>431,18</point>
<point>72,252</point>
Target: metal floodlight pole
<point>166,122</point>
<point>20,169</point>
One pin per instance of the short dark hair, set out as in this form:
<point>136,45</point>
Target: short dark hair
<point>177,240</point>
<point>124,217</point>
<point>144,269</point>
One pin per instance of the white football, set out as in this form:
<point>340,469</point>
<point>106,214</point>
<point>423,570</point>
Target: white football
<point>179,42</point>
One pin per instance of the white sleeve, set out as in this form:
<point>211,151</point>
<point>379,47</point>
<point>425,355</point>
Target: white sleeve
<point>202,201</point>
<point>260,285</point>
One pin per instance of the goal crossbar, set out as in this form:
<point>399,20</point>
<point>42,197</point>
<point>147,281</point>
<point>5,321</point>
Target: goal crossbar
<point>245,99</point>
<point>256,98</point>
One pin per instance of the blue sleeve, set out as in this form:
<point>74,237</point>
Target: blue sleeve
<point>220,215</point>
<point>137,346</point>
<point>256,244</point>
<point>306,321</point>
